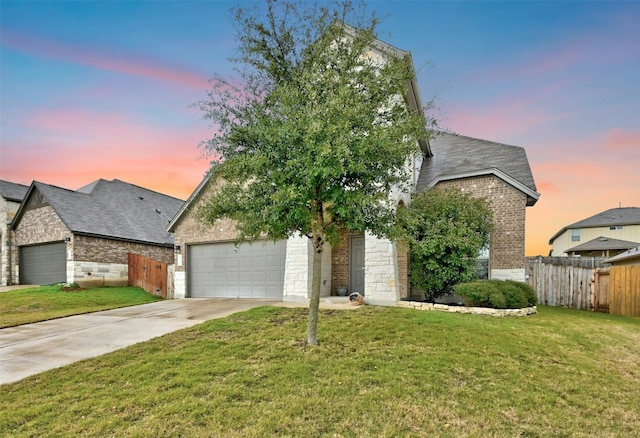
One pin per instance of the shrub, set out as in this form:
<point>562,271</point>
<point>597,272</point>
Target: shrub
<point>444,230</point>
<point>529,293</point>
<point>514,296</point>
<point>476,293</point>
<point>497,294</point>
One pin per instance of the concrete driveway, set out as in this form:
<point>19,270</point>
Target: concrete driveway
<point>33,348</point>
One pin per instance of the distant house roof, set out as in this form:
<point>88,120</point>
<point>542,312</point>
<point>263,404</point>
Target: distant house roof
<point>603,244</point>
<point>456,156</point>
<point>608,218</point>
<point>12,191</point>
<point>110,209</point>
<point>631,254</point>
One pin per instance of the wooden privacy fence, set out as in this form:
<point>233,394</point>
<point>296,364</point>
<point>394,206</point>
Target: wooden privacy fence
<point>565,281</point>
<point>624,290</point>
<point>149,274</point>
<point>587,284</point>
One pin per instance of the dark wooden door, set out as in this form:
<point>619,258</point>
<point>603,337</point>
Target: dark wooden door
<point>356,264</point>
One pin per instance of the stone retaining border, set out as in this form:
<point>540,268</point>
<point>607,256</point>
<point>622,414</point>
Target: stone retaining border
<point>470,310</point>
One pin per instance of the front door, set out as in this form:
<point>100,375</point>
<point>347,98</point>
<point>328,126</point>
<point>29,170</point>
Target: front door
<point>356,264</point>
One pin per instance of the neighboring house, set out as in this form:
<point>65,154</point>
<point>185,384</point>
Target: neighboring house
<point>602,235</point>
<point>209,263</point>
<point>630,257</point>
<point>84,236</point>
<point>11,195</point>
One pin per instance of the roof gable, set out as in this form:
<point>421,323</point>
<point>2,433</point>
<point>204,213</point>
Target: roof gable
<point>185,206</point>
<point>109,209</point>
<point>412,95</point>
<point>456,156</point>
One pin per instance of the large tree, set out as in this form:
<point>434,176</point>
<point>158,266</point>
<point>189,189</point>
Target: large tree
<point>315,134</point>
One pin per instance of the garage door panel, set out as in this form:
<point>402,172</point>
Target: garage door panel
<point>253,270</point>
<point>43,264</point>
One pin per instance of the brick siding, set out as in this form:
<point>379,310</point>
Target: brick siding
<point>100,250</point>
<point>340,263</point>
<point>508,205</point>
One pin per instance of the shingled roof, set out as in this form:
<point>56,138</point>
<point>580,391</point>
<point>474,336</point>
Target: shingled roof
<point>603,244</point>
<point>456,156</point>
<point>12,191</point>
<point>631,254</point>
<point>607,218</point>
<point>110,209</point>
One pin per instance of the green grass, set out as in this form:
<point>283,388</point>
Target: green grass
<point>48,302</point>
<point>377,372</point>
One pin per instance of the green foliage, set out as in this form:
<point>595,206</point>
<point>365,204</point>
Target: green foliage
<point>445,230</point>
<point>497,294</point>
<point>313,140</point>
<point>529,294</point>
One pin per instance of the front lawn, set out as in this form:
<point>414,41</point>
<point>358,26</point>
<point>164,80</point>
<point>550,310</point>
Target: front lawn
<point>377,372</point>
<point>48,302</point>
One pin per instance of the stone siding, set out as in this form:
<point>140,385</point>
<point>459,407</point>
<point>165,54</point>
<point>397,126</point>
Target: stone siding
<point>179,283</point>
<point>299,268</point>
<point>381,278</point>
<point>8,246</point>
<point>93,274</point>
<point>525,311</point>
<point>40,225</point>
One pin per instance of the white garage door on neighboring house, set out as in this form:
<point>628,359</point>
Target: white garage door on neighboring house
<point>224,270</point>
<point>43,264</point>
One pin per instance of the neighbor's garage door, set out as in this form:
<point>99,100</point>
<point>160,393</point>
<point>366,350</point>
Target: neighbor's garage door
<point>250,270</point>
<point>43,264</point>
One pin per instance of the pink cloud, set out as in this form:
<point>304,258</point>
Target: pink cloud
<point>621,140</point>
<point>93,57</point>
<point>72,148</point>
<point>510,115</point>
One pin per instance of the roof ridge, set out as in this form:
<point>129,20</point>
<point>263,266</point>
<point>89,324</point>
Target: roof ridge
<point>438,132</point>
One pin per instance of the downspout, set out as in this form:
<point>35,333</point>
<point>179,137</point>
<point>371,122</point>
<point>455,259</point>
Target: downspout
<point>10,279</point>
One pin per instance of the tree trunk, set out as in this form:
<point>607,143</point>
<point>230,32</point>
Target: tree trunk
<point>314,303</point>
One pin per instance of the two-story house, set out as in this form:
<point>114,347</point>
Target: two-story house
<point>604,234</point>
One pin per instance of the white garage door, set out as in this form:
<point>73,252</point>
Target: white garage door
<point>249,270</point>
<point>43,264</point>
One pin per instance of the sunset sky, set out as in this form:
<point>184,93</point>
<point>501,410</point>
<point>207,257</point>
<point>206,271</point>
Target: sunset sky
<point>103,89</point>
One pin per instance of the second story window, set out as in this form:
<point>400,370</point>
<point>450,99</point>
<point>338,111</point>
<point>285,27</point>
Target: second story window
<point>575,235</point>
<point>615,227</point>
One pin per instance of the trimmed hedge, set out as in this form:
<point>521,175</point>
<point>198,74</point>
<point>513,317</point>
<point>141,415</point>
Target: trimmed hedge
<point>497,294</point>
